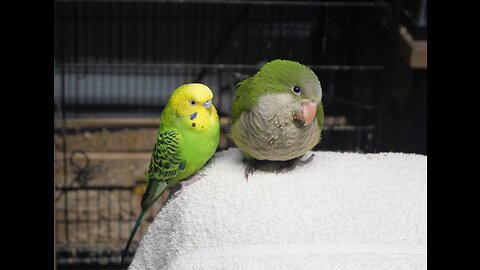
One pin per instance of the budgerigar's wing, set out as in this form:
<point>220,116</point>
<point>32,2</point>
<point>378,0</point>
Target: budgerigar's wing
<point>165,164</point>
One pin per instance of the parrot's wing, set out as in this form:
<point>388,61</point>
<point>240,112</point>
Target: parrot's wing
<point>320,115</point>
<point>239,104</point>
<point>165,164</point>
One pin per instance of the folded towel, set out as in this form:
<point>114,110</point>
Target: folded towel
<point>341,211</point>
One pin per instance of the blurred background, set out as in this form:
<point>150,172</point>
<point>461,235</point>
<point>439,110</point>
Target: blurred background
<point>116,63</point>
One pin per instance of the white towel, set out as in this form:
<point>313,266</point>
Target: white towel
<point>341,211</point>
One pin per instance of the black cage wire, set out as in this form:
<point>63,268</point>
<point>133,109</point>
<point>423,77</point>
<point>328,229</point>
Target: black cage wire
<point>123,58</point>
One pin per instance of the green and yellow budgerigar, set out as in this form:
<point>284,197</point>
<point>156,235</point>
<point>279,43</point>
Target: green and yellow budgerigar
<point>277,114</point>
<point>188,136</point>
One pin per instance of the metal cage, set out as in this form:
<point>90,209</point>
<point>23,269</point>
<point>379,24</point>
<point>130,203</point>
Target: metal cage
<point>123,59</point>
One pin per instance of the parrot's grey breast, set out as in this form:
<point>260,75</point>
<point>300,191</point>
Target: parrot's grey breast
<point>267,132</point>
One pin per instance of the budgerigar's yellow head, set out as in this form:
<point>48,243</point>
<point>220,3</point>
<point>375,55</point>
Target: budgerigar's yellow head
<point>192,103</point>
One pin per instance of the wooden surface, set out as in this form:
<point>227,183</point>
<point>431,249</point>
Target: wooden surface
<point>115,122</point>
<point>111,156</point>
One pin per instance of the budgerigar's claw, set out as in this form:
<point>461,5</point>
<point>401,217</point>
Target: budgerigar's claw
<point>174,190</point>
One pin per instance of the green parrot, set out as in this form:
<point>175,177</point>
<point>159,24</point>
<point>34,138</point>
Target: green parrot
<point>188,137</point>
<point>277,115</point>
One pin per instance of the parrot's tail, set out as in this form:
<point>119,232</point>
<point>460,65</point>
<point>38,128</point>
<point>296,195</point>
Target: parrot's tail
<point>132,234</point>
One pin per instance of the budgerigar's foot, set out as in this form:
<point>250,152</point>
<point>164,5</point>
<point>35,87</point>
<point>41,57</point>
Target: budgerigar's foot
<point>180,186</point>
<point>174,190</point>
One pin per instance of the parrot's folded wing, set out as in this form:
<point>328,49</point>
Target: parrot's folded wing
<point>320,115</point>
<point>164,165</point>
<point>239,104</point>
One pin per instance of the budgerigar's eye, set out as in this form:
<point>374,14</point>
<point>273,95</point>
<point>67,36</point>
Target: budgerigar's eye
<point>193,102</point>
<point>296,90</point>
<point>207,104</point>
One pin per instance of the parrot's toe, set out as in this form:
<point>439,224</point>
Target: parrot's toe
<point>302,162</point>
<point>296,163</point>
<point>275,166</point>
<point>249,170</point>
<point>252,165</point>
<point>285,169</point>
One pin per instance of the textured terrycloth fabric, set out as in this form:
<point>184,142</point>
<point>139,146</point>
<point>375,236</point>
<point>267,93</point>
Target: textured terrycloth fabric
<point>341,211</point>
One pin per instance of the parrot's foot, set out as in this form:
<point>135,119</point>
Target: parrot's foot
<point>296,163</point>
<point>250,169</point>
<point>252,166</point>
<point>276,166</point>
<point>180,186</point>
<point>302,162</point>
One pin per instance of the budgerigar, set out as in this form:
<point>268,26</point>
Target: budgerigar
<point>188,136</point>
<point>277,114</point>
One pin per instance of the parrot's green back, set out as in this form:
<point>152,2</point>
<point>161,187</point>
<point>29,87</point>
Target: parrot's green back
<point>184,143</point>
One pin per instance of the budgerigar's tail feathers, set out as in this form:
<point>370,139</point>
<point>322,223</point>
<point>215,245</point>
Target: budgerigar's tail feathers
<point>154,190</point>
<point>132,234</point>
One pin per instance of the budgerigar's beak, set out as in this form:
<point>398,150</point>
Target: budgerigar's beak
<point>307,112</point>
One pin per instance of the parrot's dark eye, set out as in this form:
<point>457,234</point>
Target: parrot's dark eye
<point>296,90</point>
<point>193,102</point>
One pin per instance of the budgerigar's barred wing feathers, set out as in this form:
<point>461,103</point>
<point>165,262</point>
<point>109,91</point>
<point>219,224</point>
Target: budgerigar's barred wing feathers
<point>165,164</point>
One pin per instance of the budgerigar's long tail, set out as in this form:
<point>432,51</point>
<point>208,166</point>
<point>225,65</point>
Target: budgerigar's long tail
<point>132,234</point>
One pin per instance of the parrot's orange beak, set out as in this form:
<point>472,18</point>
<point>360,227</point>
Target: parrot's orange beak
<point>307,113</point>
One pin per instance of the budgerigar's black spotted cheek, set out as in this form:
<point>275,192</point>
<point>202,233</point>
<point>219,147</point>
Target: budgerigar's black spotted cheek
<point>193,124</point>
